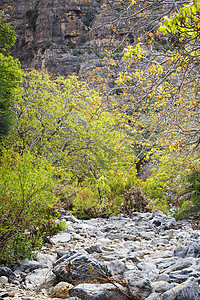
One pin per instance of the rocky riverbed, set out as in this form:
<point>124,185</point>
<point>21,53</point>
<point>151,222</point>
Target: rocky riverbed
<point>148,256</point>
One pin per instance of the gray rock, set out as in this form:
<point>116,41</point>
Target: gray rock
<point>188,290</point>
<point>116,267</point>
<point>106,291</point>
<point>191,249</point>
<point>3,295</point>
<point>93,248</point>
<point>5,271</point>
<point>63,237</point>
<point>72,298</point>
<point>153,296</point>
<point>28,266</point>
<point>162,286</point>
<point>179,265</point>
<point>114,236</point>
<point>38,278</point>
<point>79,266</point>
<point>139,285</point>
<point>71,218</point>
<point>183,275</point>
<point>3,281</point>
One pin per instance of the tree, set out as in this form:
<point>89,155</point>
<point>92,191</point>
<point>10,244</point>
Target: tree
<point>64,121</point>
<point>164,83</point>
<point>10,75</point>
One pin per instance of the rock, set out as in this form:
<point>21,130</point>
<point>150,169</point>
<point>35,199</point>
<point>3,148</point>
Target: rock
<point>179,265</point>
<point>191,249</point>
<point>61,238</point>
<point>106,291</point>
<point>153,296</point>
<point>71,218</point>
<point>162,286</point>
<point>28,266</point>
<point>188,290</point>
<point>5,271</point>
<point>3,295</point>
<point>116,267</point>
<point>79,266</point>
<point>37,278</point>
<point>114,236</point>
<point>138,283</point>
<point>62,290</point>
<point>93,248</point>
<point>157,222</point>
<point>144,258</point>
<point>3,281</point>
<point>73,298</point>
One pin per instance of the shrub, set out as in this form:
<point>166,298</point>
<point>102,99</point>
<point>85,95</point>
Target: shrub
<point>75,52</point>
<point>27,206</point>
<point>47,44</point>
<point>135,200</point>
<point>103,197</point>
<point>32,16</point>
<point>83,39</point>
<point>188,197</point>
<point>103,55</point>
<point>71,46</point>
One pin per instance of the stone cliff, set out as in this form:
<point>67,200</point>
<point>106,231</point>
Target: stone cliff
<point>69,36</point>
<point>63,36</point>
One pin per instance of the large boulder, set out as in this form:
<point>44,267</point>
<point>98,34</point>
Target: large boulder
<point>191,249</point>
<point>189,290</point>
<point>139,285</point>
<point>78,266</point>
<point>106,291</point>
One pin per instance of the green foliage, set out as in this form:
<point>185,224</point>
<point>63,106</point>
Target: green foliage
<point>27,204</point>
<point>48,44</point>
<point>134,199</point>
<point>189,195</point>
<point>66,123</point>
<point>83,39</point>
<point>10,77</point>
<point>89,17</point>
<point>75,52</point>
<point>105,196</point>
<point>71,46</point>
<point>32,15</point>
<point>90,51</point>
<point>7,35</point>
<point>103,55</point>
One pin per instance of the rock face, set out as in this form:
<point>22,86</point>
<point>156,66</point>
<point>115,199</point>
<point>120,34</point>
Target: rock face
<point>68,36</point>
<point>54,34</point>
<point>148,256</point>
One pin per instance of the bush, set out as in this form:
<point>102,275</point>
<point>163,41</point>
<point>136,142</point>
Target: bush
<point>27,206</point>
<point>188,197</point>
<point>32,16</point>
<point>75,52</point>
<point>135,200</point>
<point>83,39</point>
<point>47,44</point>
<point>103,197</point>
<point>71,46</point>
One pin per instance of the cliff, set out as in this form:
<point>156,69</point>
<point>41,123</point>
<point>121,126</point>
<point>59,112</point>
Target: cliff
<point>63,36</point>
